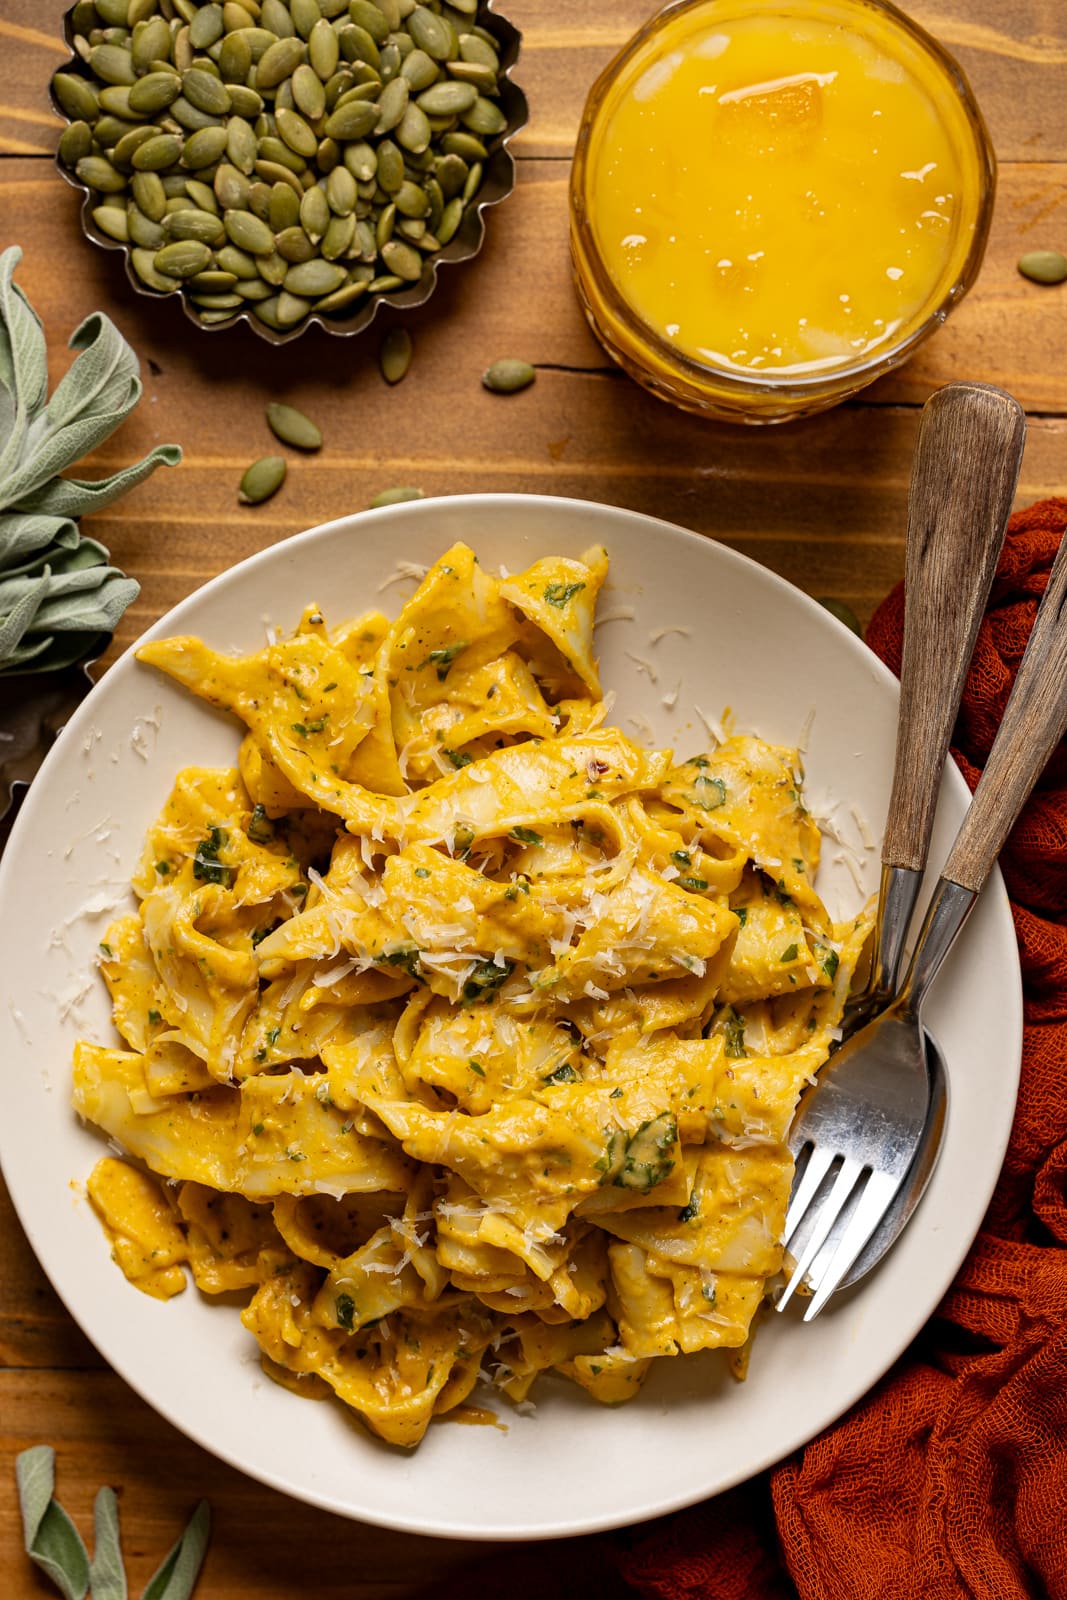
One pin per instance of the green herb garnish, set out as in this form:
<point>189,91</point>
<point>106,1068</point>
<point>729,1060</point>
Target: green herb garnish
<point>557,594</point>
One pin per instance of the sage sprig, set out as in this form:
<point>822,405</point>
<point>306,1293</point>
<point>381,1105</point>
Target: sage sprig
<point>55,1545</point>
<point>58,592</point>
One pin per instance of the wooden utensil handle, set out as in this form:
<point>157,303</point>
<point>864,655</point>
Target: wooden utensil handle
<point>1033,724</point>
<point>966,465</point>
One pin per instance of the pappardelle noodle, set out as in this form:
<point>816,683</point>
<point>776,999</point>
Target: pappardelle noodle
<point>464,1032</point>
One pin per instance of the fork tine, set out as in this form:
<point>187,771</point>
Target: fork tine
<point>878,1195</point>
<point>829,1211</point>
<point>819,1164</point>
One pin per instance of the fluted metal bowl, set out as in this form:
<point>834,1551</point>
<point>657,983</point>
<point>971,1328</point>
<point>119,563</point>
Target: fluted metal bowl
<point>498,181</point>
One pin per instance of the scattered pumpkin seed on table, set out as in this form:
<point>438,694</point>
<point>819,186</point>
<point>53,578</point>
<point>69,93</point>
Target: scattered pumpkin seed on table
<point>843,612</point>
<point>292,427</point>
<point>395,355</point>
<point>334,146</point>
<point>262,479</point>
<point>1044,266</point>
<point>394,497</point>
<point>508,376</point>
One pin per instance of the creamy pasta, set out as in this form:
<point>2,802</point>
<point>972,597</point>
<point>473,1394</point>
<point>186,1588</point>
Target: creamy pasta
<point>459,1031</point>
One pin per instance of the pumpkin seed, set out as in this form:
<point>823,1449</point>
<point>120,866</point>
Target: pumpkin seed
<point>212,282</point>
<point>411,201</point>
<point>341,298</point>
<point>275,16</point>
<point>390,172</point>
<point>183,259</point>
<point>143,262</point>
<point>275,173</point>
<point>431,33</point>
<point>238,262</point>
<point>314,278</point>
<point>475,50</point>
<point>1044,266</point>
<point>305,14</point>
<point>292,309</point>
<point>844,613</point>
<point>395,497</point>
<point>154,92</point>
<point>253,289</point>
<point>339,237</point>
<point>474,73</point>
<point>202,195</point>
<point>294,245</point>
<point>284,209</point>
<point>150,42</point>
<point>324,52</point>
<point>447,99</point>
<point>341,190</point>
<point>265,476</point>
<point>352,121</point>
<point>414,131</point>
<point>402,260</point>
<point>245,102</point>
<point>370,17</point>
<point>248,232</point>
<point>473,183</point>
<point>162,150</point>
<point>314,212</point>
<point>190,117</point>
<point>292,427</point>
<point>204,148</point>
<point>198,225</point>
<point>308,93</point>
<point>359,45</point>
<point>241,146</point>
<point>231,187</point>
<point>392,105</point>
<point>205,27</point>
<point>419,69</point>
<point>111,64</point>
<point>205,92</point>
<point>144,232</point>
<point>395,355</point>
<point>75,142</point>
<point>451,217</point>
<point>458,143</point>
<point>508,376</point>
<point>385,283</point>
<point>235,58</point>
<point>484,118</point>
<point>99,174</point>
<point>113,221</point>
<point>76,97</point>
<point>278,62</point>
<point>272,269</point>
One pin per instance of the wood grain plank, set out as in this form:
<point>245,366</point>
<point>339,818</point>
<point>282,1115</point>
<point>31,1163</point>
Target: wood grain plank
<point>1013,55</point>
<point>264,1546</point>
<point>518,298</point>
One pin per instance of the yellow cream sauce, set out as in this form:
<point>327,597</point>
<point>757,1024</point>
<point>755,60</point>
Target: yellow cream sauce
<point>780,193</point>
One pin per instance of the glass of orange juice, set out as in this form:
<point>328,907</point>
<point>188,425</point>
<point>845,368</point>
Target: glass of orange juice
<point>774,201</point>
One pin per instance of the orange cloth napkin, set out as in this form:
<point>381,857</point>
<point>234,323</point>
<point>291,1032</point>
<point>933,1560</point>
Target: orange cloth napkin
<point>949,1480</point>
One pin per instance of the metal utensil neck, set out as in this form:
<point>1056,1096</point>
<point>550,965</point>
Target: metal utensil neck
<point>948,911</point>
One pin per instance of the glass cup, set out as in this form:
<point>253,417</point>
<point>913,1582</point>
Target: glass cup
<point>773,136</point>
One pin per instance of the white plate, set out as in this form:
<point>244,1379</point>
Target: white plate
<point>753,644</point>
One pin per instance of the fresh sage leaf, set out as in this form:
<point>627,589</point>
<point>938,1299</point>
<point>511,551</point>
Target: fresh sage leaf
<point>58,592</point>
<point>107,1576</point>
<point>176,1577</point>
<point>52,1541</point>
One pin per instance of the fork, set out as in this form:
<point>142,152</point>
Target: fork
<point>889,1052</point>
<point>866,1125</point>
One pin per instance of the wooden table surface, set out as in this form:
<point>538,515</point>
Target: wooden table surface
<point>822,502</point>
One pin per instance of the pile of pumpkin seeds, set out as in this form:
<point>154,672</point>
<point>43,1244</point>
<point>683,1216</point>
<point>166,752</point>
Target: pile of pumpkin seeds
<point>280,156</point>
